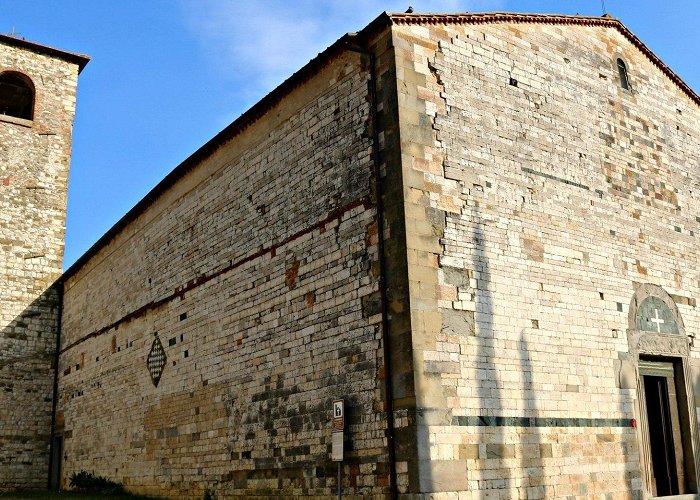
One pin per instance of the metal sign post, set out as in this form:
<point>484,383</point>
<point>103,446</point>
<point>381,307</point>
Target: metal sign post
<point>338,426</point>
<point>340,488</point>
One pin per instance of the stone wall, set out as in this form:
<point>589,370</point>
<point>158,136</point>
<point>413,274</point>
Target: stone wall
<point>539,196</point>
<point>257,273</point>
<point>34,161</point>
<point>530,202</point>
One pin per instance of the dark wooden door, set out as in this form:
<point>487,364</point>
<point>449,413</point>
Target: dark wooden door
<point>663,454</point>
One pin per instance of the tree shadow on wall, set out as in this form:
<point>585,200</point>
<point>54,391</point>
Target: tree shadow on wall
<point>27,347</point>
<point>534,451</point>
<point>494,452</point>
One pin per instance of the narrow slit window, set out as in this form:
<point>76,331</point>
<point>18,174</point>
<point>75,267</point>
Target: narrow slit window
<point>624,78</point>
<point>16,95</point>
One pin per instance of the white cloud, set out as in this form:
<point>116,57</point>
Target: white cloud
<point>251,39</point>
<point>258,43</point>
<point>273,34</point>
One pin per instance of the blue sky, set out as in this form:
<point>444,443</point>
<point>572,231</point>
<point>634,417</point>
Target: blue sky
<point>167,75</point>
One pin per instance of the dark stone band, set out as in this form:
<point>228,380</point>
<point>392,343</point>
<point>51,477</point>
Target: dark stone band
<point>482,421</point>
<point>555,178</point>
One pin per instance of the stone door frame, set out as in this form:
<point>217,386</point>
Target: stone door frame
<point>668,347</point>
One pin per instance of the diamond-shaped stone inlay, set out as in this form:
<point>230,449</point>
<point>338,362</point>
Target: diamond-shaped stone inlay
<point>156,361</point>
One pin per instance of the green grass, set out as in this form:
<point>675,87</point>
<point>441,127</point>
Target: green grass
<point>66,495</point>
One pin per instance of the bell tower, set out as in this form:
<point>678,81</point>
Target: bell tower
<point>37,105</point>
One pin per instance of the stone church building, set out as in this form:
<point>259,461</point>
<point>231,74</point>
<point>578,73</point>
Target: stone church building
<point>478,230</point>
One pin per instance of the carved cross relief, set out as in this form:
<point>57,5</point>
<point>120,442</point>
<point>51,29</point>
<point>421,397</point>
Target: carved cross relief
<point>657,320</point>
<point>654,315</point>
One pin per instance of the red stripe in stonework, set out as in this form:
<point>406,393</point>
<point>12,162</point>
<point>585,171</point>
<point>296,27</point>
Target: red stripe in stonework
<point>336,214</point>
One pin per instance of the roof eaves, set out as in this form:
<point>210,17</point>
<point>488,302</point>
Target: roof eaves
<point>80,59</point>
<point>312,67</point>
<point>658,62</point>
<point>210,147</point>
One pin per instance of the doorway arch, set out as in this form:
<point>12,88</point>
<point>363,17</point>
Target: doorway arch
<point>666,411</point>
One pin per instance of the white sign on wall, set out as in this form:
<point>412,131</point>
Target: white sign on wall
<point>338,415</point>
<point>337,447</point>
<point>337,425</point>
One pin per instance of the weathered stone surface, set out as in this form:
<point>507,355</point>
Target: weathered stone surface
<point>527,196</point>
<point>561,191</point>
<point>34,161</point>
<point>265,316</point>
